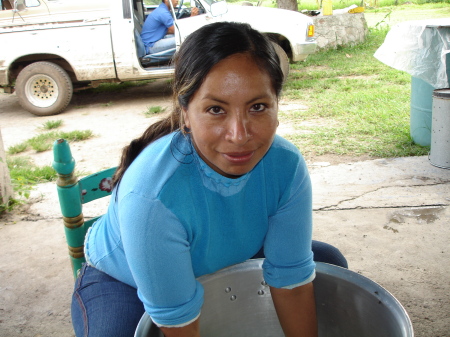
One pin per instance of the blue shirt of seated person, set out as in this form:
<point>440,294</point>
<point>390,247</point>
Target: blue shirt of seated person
<point>156,26</point>
<point>157,32</point>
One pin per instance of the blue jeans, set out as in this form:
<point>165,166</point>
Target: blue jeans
<point>167,42</point>
<point>105,307</point>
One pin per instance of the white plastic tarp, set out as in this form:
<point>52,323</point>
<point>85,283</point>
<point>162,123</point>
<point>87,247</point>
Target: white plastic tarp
<point>420,49</point>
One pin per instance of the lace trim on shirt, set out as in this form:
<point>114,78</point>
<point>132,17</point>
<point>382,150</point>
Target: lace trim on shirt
<point>217,182</point>
<point>184,152</point>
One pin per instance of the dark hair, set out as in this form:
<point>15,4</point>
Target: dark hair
<point>200,51</point>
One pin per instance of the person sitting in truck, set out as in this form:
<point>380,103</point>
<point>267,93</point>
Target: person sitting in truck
<point>158,29</point>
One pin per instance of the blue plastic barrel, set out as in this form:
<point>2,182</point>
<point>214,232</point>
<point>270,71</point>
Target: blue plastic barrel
<point>421,109</point>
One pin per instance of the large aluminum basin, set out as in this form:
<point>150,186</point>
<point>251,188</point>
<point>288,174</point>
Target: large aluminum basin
<point>238,304</point>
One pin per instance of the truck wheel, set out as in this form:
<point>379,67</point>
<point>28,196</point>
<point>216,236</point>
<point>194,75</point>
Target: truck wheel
<point>284,59</point>
<point>44,88</point>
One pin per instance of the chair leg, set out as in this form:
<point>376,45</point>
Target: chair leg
<point>75,233</point>
<point>69,195</point>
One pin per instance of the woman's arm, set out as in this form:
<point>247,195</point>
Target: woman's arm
<point>190,330</point>
<point>296,310</point>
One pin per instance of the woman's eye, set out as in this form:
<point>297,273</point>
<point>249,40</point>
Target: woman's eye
<point>258,107</point>
<point>215,110</point>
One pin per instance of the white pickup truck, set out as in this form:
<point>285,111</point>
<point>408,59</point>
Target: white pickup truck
<point>49,48</point>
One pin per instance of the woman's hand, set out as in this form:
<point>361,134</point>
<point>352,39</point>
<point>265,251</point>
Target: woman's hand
<point>296,310</point>
<point>190,330</point>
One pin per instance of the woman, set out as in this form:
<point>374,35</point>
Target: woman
<point>205,188</point>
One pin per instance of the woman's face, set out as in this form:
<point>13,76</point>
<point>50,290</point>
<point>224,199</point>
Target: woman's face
<point>233,116</point>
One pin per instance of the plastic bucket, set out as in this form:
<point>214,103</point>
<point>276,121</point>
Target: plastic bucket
<point>421,109</point>
<point>440,135</point>
<point>238,303</point>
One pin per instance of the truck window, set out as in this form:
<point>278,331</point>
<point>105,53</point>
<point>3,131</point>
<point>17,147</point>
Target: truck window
<point>32,3</point>
<point>21,4</point>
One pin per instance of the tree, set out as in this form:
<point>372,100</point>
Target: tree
<point>288,4</point>
<point>5,180</point>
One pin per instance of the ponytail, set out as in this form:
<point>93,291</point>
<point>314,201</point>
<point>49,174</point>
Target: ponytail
<point>153,132</point>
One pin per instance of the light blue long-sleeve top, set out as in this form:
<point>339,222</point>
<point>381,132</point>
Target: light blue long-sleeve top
<point>172,219</point>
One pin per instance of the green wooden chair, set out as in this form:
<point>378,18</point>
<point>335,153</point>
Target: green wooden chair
<point>72,194</point>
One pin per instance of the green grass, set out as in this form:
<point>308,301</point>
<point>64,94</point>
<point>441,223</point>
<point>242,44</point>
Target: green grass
<point>18,148</point>
<point>369,4</point>
<point>24,173</point>
<point>24,176</point>
<point>49,125</point>
<point>44,142</point>
<point>356,104</point>
<point>391,15</point>
<point>152,110</point>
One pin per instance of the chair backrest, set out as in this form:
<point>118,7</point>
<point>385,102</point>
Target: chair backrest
<point>72,194</point>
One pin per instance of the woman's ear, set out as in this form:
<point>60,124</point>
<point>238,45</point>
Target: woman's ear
<point>186,117</point>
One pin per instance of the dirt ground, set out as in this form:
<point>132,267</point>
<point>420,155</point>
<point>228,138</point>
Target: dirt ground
<point>390,217</point>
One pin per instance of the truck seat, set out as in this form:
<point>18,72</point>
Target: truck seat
<point>137,22</point>
<point>151,59</point>
<point>140,48</point>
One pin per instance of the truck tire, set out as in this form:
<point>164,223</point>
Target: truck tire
<point>284,59</point>
<point>44,88</point>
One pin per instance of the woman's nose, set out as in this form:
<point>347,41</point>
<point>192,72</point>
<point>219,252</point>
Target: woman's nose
<point>238,130</point>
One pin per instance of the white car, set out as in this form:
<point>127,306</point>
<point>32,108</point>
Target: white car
<point>51,47</point>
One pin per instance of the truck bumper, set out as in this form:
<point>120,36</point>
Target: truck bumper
<point>301,51</point>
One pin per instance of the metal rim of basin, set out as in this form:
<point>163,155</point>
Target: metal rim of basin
<point>146,325</point>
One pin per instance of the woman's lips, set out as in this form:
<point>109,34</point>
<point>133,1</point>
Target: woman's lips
<point>238,157</point>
